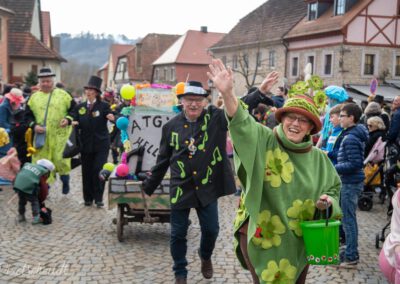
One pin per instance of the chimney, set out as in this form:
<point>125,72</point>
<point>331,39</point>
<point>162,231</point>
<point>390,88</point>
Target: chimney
<point>203,29</point>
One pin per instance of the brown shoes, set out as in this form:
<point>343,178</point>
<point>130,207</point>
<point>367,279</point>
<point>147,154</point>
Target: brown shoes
<point>180,280</point>
<point>206,267</point>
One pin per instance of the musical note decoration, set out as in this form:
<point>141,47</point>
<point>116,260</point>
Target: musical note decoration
<point>191,147</point>
<point>203,143</point>
<point>209,172</point>
<point>206,119</point>
<point>216,156</point>
<point>174,140</point>
<point>181,166</point>
<point>178,194</point>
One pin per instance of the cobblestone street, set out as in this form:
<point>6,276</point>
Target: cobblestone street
<point>81,246</point>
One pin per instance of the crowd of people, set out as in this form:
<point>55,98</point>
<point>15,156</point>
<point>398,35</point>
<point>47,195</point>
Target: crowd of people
<point>293,159</point>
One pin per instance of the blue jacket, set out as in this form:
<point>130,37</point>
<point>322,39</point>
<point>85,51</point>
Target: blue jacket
<point>279,101</point>
<point>394,129</point>
<point>5,114</point>
<point>333,143</point>
<point>351,154</point>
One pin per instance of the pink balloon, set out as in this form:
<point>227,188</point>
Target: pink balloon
<point>122,170</point>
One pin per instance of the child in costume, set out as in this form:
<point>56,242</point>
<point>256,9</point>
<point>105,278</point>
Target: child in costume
<point>31,185</point>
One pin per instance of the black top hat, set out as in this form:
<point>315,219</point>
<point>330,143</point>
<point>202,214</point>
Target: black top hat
<point>45,72</point>
<point>193,88</point>
<point>379,99</point>
<point>94,83</point>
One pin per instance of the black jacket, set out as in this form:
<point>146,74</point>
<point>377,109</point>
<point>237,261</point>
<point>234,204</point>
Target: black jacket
<point>196,179</point>
<point>93,131</point>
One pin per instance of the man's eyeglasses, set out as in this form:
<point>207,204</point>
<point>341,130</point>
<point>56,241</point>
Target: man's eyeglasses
<point>302,120</point>
<point>196,101</point>
<point>344,115</point>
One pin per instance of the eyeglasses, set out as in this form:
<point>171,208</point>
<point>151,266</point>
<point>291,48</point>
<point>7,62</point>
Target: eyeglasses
<point>302,120</point>
<point>190,101</point>
<point>344,115</point>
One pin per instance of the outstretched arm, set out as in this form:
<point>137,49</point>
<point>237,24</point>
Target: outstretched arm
<point>223,81</point>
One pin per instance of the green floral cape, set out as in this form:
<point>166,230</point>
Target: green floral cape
<point>281,182</point>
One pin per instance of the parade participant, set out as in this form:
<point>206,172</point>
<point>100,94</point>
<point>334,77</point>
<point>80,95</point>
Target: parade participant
<point>55,105</point>
<point>336,95</point>
<point>284,178</point>
<point>91,118</point>
<point>193,145</point>
<point>30,183</point>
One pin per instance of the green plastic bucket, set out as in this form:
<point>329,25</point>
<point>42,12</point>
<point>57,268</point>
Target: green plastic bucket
<point>321,239</point>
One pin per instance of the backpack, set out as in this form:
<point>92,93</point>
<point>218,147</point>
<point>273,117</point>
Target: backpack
<point>377,153</point>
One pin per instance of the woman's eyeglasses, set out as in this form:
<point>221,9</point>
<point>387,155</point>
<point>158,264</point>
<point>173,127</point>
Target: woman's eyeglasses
<point>302,120</point>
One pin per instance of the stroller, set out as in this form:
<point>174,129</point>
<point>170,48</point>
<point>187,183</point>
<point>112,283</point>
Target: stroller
<point>392,180</point>
<point>374,166</point>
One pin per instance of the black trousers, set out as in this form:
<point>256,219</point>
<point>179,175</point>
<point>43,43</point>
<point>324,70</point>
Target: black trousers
<point>92,164</point>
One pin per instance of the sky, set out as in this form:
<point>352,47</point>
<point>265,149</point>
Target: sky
<point>138,18</point>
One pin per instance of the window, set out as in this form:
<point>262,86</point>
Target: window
<point>295,66</point>
<point>328,64</point>
<point>34,69</point>
<point>369,64</point>
<point>234,62</point>
<point>271,58</point>
<point>310,59</point>
<point>172,77</point>
<point>156,75</point>
<point>312,11</point>
<point>340,7</point>
<point>397,66</point>
<point>259,59</point>
<point>165,74</point>
<point>223,59</point>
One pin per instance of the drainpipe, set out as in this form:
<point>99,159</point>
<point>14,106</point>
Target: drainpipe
<point>286,57</point>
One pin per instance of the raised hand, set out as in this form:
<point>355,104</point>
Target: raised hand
<point>221,76</point>
<point>269,81</point>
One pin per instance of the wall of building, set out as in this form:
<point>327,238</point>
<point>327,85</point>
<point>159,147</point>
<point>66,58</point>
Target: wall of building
<point>347,64</point>
<point>21,67</point>
<point>4,76</point>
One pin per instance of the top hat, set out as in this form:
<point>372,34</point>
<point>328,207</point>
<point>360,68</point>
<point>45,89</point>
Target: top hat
<point>45,72</point>
<point>379,99</point>
<point>94,83</point>
<point>192,88</point>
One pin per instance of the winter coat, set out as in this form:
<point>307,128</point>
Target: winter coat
<point>394,129</point>
<point>373,136</point>
<point>279,101</point>
<point>351,154</point>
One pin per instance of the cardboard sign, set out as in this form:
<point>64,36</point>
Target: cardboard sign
<point>155,98</point>
<point>145,130</point>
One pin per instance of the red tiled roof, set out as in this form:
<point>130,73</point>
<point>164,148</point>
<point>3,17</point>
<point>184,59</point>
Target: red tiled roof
<point>26,45</point>
<point>195,46</point>
<point>327,23</point>
<point>23,9</point>
<point>151,47</point>
<point>269,22</point>
<point>46,29</point>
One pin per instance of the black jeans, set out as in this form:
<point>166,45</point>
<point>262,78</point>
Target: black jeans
<point>24,198</point>
<point>209,224</point>
<point>92,163</point>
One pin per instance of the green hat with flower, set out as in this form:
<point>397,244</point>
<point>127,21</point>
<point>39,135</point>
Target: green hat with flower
<point>307,98</point>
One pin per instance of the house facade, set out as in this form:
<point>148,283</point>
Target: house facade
<point>116,50</point>
<point>136,65</point>
<point>187,59</point>
<point>29,40</point>
<point>5,14</point>
<point>348,42</point>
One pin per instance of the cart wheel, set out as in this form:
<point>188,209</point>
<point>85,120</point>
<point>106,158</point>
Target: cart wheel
<point>365,203</point>
<point>377,240</point>
<point>120,222</point>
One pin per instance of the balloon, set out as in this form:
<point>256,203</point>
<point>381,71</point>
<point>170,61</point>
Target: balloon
<point>122,123</point>
<point>180,88</point>
<point>109,167</point>
<point>122,170</point>
<point>128,92</point>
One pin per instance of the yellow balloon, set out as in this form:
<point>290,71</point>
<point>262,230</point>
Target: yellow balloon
<point>109,167</point>
<point>128,92</point>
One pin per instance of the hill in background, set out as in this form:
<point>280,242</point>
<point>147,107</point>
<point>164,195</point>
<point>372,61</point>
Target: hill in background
<point>85,53</point>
